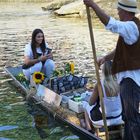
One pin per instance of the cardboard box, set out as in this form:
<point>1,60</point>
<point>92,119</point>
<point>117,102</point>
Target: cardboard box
<point>48,95</point>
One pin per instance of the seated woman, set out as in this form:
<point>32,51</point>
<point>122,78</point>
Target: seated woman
<point>112,102</point>
<point>37,56</point>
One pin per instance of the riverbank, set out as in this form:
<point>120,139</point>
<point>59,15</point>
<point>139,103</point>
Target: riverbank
<point>76,8</point>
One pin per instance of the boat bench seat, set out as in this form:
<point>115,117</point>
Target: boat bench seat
<point>115,129</point>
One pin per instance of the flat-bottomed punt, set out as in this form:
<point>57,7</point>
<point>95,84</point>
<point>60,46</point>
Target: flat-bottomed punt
<point>66,119</point>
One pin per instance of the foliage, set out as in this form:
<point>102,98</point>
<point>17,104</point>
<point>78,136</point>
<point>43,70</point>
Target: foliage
<point>68,68</point>
<point>22,79</point>
<point>58,72</point>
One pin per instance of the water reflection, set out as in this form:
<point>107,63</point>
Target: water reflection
<point>1,138</point>
<point>8,127</point>
<point>74,137</point>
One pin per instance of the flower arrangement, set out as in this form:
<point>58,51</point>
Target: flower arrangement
<point>57,72</point>
<point>20,77</point>
<point>38,77</point>
<point>68,68</point>
<point>72,67</point>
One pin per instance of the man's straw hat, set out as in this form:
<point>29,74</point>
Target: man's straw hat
<point>128,5</point>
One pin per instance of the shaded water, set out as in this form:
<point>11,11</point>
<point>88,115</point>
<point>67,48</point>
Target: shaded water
<point>69,39</point>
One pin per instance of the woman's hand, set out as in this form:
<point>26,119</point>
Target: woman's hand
<point>45,57</point>
<point>49,56</point>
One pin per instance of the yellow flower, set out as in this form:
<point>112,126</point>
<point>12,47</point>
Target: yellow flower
<point>72,67</point>
<point>38,77</point>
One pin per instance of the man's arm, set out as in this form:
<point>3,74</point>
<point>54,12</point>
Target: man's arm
<point>110,55</point>
<point>107,57</point>
<point>99,12</point>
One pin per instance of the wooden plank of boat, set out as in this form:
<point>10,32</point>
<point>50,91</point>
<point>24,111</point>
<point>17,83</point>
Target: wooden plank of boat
<point>84,134</point>
<point>12,72</point>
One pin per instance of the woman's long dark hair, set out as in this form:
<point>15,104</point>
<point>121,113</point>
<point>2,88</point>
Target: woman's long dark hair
<point>33,42</point>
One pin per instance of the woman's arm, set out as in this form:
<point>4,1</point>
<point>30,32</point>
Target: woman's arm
<point>28,56</point>
<point>94,96</point>
<point>31,62</point>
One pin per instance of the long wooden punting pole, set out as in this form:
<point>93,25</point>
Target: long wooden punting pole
<point>97,71</point>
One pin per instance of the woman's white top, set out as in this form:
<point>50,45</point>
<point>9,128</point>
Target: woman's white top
<point>112,108</point>
<point>112,105</point>
<point>28,50</point>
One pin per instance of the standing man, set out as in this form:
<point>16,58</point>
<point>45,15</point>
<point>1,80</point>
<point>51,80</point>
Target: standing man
<point>126,60</point>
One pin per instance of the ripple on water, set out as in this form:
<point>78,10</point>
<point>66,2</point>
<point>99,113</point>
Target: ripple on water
<point>7,127</point>
<point>74,137</point>
<point>3,89</point>
<point>2,138</point>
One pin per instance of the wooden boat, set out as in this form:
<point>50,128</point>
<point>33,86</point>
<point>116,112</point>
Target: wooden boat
<point>76,128</point>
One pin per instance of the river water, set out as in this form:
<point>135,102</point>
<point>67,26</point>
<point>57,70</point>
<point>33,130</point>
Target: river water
<point>69,39</point>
